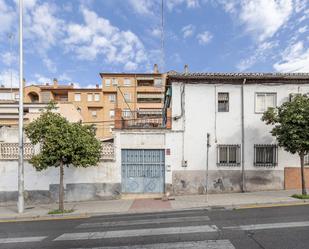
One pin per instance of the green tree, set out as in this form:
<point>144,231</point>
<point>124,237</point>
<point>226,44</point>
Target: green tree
<point>62,144</point>
<point>291,128</point>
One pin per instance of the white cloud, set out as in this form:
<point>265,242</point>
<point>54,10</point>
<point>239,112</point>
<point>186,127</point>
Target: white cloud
<point>98,37</point>
<point>188,30</point>
<point>156,32</point>
<point>261,18</point>
<point>64,77</point>
<point>264,18</point>
<point>143,6</point>
<point>7,17</point>
<point>204,37</point>
<point>295,58</point>
<point>42,25</point>
<point>5,78</point>
<point>40,79</point>
<point>303,29</point>
<point>171,4</point>
<point>8,58</point>
<point>260,53</point>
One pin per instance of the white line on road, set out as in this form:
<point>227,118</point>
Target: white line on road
<point>143,222</point>
<point>269,226</point>
<point>21,239</point>
<point>137,232</point>
<point>207,244</point>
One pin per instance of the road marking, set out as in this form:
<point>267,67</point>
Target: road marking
<point>137,232</point>
<point>143,222</point>
<point>22,239</point>
<point>207,244</point>
<point>269,226</point>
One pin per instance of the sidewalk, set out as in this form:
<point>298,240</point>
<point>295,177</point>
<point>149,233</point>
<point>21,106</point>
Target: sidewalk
<point>91,208</point>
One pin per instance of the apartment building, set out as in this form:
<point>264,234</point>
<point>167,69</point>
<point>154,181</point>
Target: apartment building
<point>216,140</point>
<point>138,95</point>
<point>86,104</point>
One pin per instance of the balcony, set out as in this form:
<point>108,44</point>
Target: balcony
<point>142,120</point>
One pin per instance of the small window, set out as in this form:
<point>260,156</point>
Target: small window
<point>265,155</point>
<point>127,82</point>
<point>77,97</point>
<point>112,97</point>
<point>111,113</point>
<point>264,100</point>
<point>127,97</point>
<point>126,113</point>
<point>115,82</point>
<point>306,160</point>
<point>158,82</point>
<point>228,155</point>
<point>107,82</point>
<point>96,97</point>
<point>111,127</point>
<point>223,102</point>
<point>90,97</point>
<point>94,113</point>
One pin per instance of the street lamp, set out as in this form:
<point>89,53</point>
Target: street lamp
<point>20,204</point>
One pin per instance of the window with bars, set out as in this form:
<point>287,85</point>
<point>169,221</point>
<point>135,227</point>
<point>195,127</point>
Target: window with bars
<point>265,155</point>
<point>228,155</point>
<point>223,102</point>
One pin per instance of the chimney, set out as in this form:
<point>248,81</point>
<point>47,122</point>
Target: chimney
<point>155,68</point>
<point>55,83</point>
<point>47,84</point>
<point>96,85</point>
<point>72,84</point>
<point>186,69</point>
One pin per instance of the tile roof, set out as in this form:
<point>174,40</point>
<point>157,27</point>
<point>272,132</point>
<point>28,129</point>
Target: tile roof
<point>231,76</point>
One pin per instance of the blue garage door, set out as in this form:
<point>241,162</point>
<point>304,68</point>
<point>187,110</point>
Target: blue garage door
<point>142,171</point>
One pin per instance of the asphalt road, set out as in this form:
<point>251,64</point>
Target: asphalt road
<point>271,228</point>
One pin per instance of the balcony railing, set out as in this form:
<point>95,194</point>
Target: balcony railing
<point>142,119</point>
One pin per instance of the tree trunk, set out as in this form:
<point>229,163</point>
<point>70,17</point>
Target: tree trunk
<point>302,170</point>
<point>61,188</point>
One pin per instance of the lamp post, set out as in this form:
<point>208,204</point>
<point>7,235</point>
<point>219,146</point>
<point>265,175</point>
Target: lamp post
<point>20,204</point>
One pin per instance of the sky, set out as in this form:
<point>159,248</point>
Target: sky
<point>75,40</point>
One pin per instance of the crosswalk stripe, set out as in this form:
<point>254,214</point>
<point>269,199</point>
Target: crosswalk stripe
<point>206,244</point>
<point>137,232</point>
<point>22,239</point>
<point>143,222</point>
<point>269,226</point>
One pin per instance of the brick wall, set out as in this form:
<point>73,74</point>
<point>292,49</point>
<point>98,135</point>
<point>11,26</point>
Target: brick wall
<point>292,178</point>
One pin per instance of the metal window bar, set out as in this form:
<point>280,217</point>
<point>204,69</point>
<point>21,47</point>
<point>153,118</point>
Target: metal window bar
<point>223,102</point>
<point>265,155</point>
<point>228,155</point>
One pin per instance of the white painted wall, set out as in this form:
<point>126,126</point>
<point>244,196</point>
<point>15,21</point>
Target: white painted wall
<point>105,172</point>
<point>200,117</point>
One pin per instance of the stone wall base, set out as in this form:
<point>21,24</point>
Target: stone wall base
<point>224,181</point>
<point>73,192</point>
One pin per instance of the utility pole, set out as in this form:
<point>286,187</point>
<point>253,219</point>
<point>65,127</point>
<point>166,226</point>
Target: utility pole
<point>20,204</point>
<point>207,162</point>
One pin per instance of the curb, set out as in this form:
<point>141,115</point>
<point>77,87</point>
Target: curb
<point>85,215</point>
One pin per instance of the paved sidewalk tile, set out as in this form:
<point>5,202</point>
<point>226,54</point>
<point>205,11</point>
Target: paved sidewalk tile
<point>150,204</point>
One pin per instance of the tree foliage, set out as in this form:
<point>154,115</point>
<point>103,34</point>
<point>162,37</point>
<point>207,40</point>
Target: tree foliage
<point>291,124</point>
<point>72,143</point>
<point>291,128</point>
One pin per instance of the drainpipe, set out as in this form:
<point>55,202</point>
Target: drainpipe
<point>243,184</point>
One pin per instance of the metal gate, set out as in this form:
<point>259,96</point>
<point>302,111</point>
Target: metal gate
<point>142,171</point>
